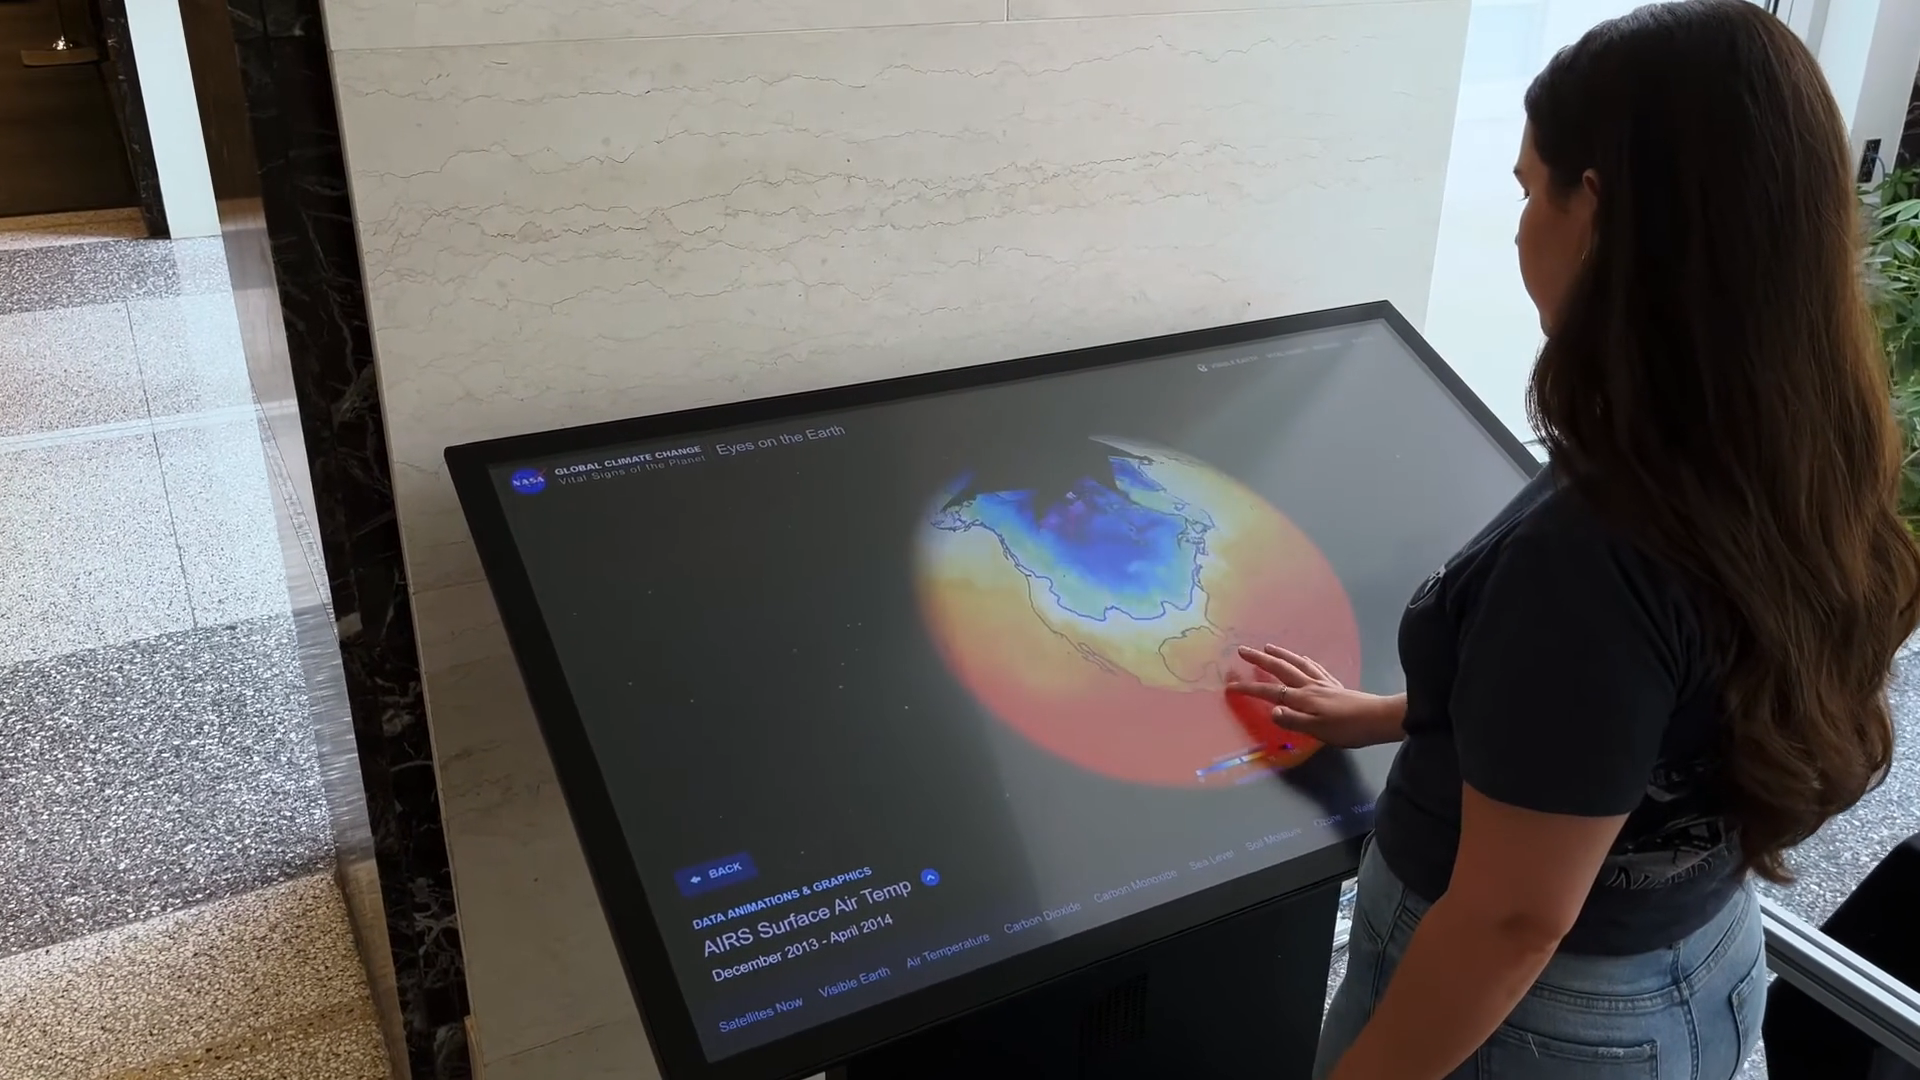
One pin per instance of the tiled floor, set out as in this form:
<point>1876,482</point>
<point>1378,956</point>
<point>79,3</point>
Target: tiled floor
<point>136,491</point>
<point>262,986</point>
<point>44,277</point>
<point>154,774</point>
<point>158,748</point>
<point>48,230</point>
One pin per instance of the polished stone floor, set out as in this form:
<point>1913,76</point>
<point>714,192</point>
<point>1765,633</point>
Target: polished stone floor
<point>78,227</point>
<point>153,774</point>
<point>265,985</point>
<point>168,901</point>
<point>158,752</point>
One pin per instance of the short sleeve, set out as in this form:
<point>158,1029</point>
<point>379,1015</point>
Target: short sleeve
<point>1566,678</point>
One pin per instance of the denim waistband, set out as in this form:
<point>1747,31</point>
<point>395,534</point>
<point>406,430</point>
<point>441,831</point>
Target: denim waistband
<point>1652,976</point>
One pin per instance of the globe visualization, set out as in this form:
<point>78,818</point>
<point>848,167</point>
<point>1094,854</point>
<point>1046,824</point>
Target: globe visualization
<point>1098,614</point>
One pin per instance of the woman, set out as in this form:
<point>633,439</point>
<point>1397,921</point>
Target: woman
<point>1664,664</point>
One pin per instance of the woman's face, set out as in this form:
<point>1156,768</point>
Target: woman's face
<point>1556,231</point>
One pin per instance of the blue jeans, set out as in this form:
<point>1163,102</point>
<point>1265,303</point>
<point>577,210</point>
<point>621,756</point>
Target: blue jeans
<point>1690,1011</point>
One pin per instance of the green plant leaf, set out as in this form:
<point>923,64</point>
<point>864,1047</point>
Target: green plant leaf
<point>1892,269</point>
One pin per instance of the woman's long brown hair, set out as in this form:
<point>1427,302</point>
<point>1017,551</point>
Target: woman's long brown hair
<point>1714,386</point>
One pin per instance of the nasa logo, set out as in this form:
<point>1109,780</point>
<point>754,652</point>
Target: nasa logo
<point>529,481</point>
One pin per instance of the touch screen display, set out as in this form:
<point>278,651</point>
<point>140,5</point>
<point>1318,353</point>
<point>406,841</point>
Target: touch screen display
<point>887,695</point>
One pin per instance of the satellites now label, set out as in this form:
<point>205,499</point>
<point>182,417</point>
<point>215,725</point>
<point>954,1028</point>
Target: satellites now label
<point>716,874</point>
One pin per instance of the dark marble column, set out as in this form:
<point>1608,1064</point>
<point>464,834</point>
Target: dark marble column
<point>265,90</point>
<point>122,73</point>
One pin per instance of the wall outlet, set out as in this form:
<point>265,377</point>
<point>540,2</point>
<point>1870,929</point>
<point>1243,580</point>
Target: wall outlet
<point>1869,158</point>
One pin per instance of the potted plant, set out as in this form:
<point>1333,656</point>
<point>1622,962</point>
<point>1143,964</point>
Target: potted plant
<point>1893,271</point>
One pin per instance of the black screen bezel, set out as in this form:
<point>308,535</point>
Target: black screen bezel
<point>636,935</point>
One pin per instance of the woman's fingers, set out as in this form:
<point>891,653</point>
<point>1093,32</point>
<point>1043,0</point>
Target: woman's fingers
<point>1294,720</point>
<point>1265,691</point>
<point>1292,705</point>
<point>1278,667</point>
<point>1304,662</point>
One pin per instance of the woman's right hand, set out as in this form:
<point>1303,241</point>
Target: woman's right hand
<point>1307,698</point>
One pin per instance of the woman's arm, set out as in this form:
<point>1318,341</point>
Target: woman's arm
<point>1519,881</point>
<point>1393,718</point>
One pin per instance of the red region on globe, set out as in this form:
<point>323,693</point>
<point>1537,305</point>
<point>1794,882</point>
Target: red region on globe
<point>1137,697</point>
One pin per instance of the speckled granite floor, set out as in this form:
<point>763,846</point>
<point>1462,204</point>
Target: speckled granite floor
<point>85,226</point>
<point>157,750</point>
<point>167,901</point>
<point>139,778</point>
<point>43,277</point>
<point>263,986</point>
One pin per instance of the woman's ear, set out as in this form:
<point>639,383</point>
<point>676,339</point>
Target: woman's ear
<point>1586,202</point>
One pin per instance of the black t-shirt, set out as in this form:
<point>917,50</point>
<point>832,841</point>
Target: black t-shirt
<point>1556,668</point>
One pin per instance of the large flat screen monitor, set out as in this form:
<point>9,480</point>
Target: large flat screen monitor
<point>877,704</point>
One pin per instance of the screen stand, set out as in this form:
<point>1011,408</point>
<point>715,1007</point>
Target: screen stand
<point>1239,998</point>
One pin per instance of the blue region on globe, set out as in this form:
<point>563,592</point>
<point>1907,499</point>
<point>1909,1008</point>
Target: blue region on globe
<point>1131,548</point>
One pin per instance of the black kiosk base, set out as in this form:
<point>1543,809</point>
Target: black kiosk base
<point>1237,999</point>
